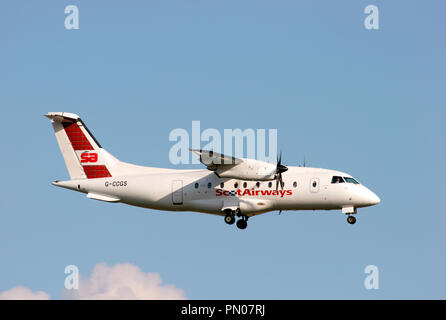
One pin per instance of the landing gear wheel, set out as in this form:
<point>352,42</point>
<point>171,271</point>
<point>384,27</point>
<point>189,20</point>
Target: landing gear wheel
<point>229,219</point>
<point>351,219</point>
<point>242,224</point>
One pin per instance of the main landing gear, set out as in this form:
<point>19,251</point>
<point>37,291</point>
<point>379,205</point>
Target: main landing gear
<point>229,219</point>
<point>242,223</point>
<point>351,219</point>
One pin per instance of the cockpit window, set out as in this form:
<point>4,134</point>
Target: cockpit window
<point>350,180</point>
<point>337,179</point>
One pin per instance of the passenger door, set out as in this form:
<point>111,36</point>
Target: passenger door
<point>177,192</point>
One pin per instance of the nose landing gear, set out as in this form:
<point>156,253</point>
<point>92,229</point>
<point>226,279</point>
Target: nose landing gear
<point>349,211</point>
<point>351,219</point>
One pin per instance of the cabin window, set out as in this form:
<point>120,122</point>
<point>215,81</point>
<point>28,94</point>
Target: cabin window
<point>337,179</point>
<point>314,184</point>
<point>294,184</point>
<point>258,184</point>
<point>209,185</point>
<point>245,184</point>
<point>222,185</point>
<point>350,180</point>
<point>270,184</point>
<point>196,185</point>
<point>236,185</point>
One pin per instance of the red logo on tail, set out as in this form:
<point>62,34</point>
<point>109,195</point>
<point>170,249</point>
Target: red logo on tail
<point>89,157</point>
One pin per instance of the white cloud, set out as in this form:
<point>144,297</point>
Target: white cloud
<point>123,281</point>
<point>22,293</point>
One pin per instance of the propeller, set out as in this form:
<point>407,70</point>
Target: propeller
<point>280,168</point>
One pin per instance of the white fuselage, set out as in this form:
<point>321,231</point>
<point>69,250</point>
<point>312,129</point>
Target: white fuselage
<point>204,191</point>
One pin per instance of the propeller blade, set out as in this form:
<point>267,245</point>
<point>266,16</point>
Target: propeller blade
<point>280,168</point>
<point>281,182</point>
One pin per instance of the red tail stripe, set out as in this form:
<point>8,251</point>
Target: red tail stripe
<point>93,172</point>
<point>77,138</point>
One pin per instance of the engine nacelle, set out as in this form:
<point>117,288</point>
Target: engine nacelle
<point>249,169</point>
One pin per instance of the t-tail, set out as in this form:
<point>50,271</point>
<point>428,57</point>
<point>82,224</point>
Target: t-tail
<point>83,155</point>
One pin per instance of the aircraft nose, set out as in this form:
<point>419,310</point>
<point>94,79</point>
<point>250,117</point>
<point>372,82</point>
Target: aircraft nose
<point>373,199</point>
<point>365,197</point>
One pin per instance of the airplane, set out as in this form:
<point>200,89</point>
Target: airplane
<point>235,188</point>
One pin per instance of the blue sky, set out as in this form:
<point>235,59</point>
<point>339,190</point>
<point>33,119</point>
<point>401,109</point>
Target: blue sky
<point>371,103</point>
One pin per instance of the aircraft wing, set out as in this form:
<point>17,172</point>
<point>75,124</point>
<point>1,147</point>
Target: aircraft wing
<point>213,160</point>
<point>230,167</point>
